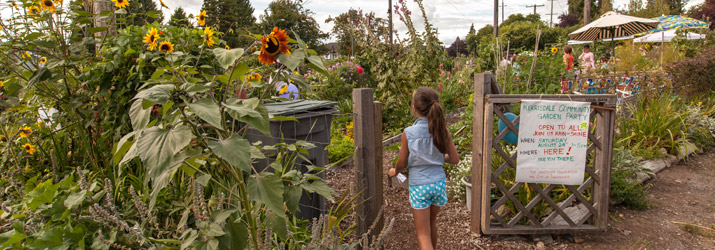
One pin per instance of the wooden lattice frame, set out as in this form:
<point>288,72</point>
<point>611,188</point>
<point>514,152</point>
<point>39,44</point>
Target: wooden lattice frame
<point>598,180</point>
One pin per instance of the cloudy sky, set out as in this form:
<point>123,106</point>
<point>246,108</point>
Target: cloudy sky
<point>451,17</point>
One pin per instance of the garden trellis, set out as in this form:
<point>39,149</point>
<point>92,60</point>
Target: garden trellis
<point>589,199</point>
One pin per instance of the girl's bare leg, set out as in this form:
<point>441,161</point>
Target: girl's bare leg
<point>423,228</point>
<point>434,211</point>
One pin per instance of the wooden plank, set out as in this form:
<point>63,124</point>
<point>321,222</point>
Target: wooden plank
<point>485,167</point>
<point>480,85</point>
<point>524,229</point>
<point>600,98</point>
<point>378,172</point>
<point>602,189</point>
<point>364,128</point>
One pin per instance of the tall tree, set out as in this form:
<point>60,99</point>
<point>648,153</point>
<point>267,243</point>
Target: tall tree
<point>344,30</point>
<point>141,12</point>
<point>458,47</point>
<point>179,19</point>
<point>576,7</point>
<point>705,11</point>
<point>472,30</point>
<point>231,17</point>
<point>292,16</point>
<point>472,44</point>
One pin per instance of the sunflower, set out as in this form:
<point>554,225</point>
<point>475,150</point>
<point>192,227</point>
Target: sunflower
<point>554,50</point>
<point>257,76</point>
<point>250,77</point>
<point>227,48</point>
<point>283,89</point>
<point>34,10</point>
<point>202,18</point>
<point>151,37</point>
<point>14,5</point>
<point>118,3</point>
<point>2,84</point>
<point>208,36</point>
<point>166,47</point>
<point>48,5</point>
<point>274,43</point>
<point>163,4</point>
<point>29,148</point>
<point>43,60</point>
<point>25,132</point>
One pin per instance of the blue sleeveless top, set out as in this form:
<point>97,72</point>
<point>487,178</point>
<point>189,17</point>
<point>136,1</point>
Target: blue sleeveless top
<point>425,161</point>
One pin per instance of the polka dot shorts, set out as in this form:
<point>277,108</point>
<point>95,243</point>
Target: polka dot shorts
<point>422,196</point>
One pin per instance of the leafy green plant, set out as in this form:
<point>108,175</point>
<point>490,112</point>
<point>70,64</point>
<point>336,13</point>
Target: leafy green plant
<point>625,188</point>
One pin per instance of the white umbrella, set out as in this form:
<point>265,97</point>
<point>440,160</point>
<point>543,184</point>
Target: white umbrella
<point>666,36</point>
<point>573,42</point>
<point>612,25</point>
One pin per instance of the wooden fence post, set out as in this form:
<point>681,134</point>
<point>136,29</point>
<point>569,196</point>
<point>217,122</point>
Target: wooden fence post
<point>378,173</point>
<point>364,132</point>
<point>481,88</point>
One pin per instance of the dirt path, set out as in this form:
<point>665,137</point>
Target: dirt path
<point>682,193</point>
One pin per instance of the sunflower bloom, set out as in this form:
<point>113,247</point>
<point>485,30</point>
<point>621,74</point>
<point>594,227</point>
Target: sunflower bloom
<point>166,47</point>
<point>163,4</point>
<point>250,77</point>
<point>14,5</point>
<point>273,44</point>
<point>283,89</point>
<point>208,36</point>
<point>118,3</point>
<point>257,76</point>
<point>227,48</point>
<point>554,50</point>
<point>29,148</point>
<point>2,84</point>
<point>34,10</point>
<point>43,60</point>
<point>150,38</point>
<point>25,132</point>
<point>202,18</point>
<point>48,5</point>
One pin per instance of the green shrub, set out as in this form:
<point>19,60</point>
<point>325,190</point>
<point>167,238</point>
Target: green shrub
<point>624,187</point>
<point>696,75</point>
<point>341,143</point>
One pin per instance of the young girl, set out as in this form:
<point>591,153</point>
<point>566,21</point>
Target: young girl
<point>568,58</point>
<point>426,146</point>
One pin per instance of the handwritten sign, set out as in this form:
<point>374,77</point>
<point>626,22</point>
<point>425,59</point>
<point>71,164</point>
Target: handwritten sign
<point>552,142</point>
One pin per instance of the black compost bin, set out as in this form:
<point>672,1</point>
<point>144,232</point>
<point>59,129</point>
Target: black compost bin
<point>314,120</point>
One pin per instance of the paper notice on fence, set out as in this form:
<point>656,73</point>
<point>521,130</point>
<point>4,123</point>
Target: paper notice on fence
<point>552,142</point>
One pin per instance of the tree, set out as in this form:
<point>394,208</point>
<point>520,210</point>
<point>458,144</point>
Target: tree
<point>293,17</point>
<point>231,17</point>
<point>472,30</point>
<point>568,20</point>
<point>677,7</point>
<point>143,12</point>
<point>485,32</point>
<point>576,7</point>
<point>179,19</point>
<point>706,11</point>
<point>472,44</point>
<point>344,30</point>
<point>458,47</point>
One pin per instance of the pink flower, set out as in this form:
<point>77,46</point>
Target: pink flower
<point>440,65</point>
<point>441,72</point>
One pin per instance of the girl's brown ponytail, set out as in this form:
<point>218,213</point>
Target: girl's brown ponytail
<point>426,102</point>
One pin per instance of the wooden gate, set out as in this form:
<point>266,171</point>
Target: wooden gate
<point>502,206</point>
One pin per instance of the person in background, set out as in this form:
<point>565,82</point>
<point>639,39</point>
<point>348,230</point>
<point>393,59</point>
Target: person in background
<point>604,62</point>
<point>568,58</point>
<point>587,59</point>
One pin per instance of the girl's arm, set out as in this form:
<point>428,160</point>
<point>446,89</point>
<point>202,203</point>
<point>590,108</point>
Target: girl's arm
<point>566,60</point>
<point>451,157</point>
<point>402,158</point>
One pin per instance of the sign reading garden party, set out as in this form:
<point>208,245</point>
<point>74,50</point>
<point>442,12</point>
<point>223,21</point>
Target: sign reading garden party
<point>552,142</point>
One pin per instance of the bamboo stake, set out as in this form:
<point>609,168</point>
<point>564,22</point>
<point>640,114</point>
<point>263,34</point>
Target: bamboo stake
<point>536,54</point>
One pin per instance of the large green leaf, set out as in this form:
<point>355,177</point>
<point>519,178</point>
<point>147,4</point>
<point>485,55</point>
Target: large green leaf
<point>236,236</point>
<point>208,111</point>
<point>43,193</point>
<point>267,188</point>
<point>159,94</point>
<point>11,237</point>
<point>249,111</point>
<point>138,115</point>
<point>226,58</point>
<point>319,187</point>
<point>157,146</point>
<point>316,63</point>
<point>162,178</point>
<point>49,238</point>
<point>292,197</point>
<point>123,147</point>
<point>235,150</point>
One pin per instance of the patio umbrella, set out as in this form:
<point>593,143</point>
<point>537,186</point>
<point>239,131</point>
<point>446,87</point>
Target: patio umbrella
<point>612,25</point>
<point>672,22</point>
<point>666,36</point>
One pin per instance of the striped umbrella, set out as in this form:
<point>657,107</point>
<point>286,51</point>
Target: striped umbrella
<point>672,22</point>
<point>612,25</point>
